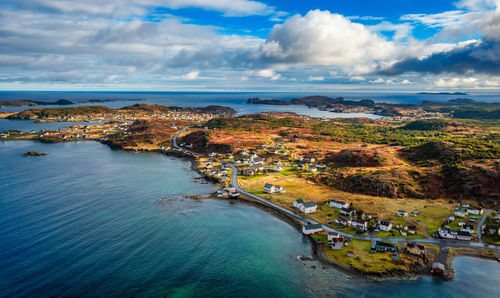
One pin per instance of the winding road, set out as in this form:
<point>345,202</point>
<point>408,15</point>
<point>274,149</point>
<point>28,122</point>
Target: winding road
<point>307,220</point>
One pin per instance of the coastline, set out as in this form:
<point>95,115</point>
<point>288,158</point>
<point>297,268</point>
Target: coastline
<point>317,249</point>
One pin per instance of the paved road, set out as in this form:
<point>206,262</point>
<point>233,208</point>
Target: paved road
<point>306,220</point>
<point>480,224</point>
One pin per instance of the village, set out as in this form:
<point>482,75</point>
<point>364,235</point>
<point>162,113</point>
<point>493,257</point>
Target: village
<point>371,234</point>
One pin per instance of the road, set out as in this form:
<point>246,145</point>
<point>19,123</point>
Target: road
<point>306,220</point>
<point>480,224</point>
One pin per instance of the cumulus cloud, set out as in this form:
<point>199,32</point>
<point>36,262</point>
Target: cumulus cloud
<point>315,78</point>
<point>325,38</point>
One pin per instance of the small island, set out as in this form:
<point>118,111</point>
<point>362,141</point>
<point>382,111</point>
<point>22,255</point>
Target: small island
<point>34,153</point>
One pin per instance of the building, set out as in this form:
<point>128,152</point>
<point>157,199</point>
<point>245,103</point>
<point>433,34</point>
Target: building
<point>255,160</point>
<point>277,168</point>
<point>335,241</point>
<point>308,207</point>
<point>269,188</point>
<point>339,204</point>
<point>493,230</point>
<point>467,228</point>
<point>465,236</point>
<point>415,249</point>
<point>381,246</point>
<point>497,218</point>
<point>347,211</point>
<point>475,211</point>
<point>464,205</point>
<point>384,225</point>
<point>343,221</point>
<point>257,168</point>
<point>297,203</point>
<point>402,213</point>
<point>460,213</point>
<point>447,233</point>
<point>312,229</point>
<point>412,230</point>
<point>360,225</point>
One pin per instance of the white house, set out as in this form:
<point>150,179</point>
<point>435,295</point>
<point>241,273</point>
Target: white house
<point>475,211</point>
<point>447,233</point>
<point>460,212</point>
<point>308,207</point>
<point>269,188</point>
<point>347,211</point>
<point>360,225</point>
<point>312,229</point>
<point>467,228</point>
<point>402,213</point>
<point>465,236</point>
<point>338,204</point>
<point>277,168</point>
<point>335,241</point>
<point>297,203</point>
<point>256,161</point>
<point>343,221</point>
<point>384,225</point>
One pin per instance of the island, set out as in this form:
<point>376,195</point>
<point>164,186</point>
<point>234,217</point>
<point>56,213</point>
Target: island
<point>34,153</point>
<point>394,197</point>
<point>25,102</point>
<point>452,108</point>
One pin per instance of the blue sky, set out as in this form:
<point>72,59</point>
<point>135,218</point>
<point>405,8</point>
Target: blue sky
<point>248,45</point>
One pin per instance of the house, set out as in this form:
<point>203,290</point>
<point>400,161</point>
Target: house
<point>312,229</point>
<point>467,228</point>
<point>255,160</point>
<point>450,218</point>
<point>438,269</point>
<point>464,205</point>
<point>493,230</point>
<point>297,203</point>
<point>313,169</point>
<point>416,212</point>
<point>402,213</point>
<point>277,168</point>
<point>231,188</point>
<point>269,188</point>
<point>248,172</point>
<point>415,249</point>
<point>279,188</point>
<point>347,211</point>
<point>366,216</point>
<point>447,233</point>
<point>343,221</point>
<point>257,168</point>
<point>384,225</point>
<point>381,246</point>
<point>475,211</point>
<point>308,207</point>
<point>412,230</point>
<point>465,236</point>
<point>497,218</point>
<point>460,213</point>
<point>360,225</point>
<point>335,241</point>
<point>338,204</point>
<point>403,232</point>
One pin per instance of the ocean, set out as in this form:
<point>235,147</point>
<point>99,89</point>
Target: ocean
<point>89,221</point>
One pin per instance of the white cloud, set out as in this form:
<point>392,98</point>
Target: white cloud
<point>323,38</point>
<point>193,75</point>
<point>357,78</point>
<point>313,78</point>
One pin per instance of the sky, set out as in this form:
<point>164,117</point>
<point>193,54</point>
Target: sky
<point>250,45</point>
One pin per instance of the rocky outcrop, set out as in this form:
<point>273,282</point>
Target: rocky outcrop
<point>34,153</point>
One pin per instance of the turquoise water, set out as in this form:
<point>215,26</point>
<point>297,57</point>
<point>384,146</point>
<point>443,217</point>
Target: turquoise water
<point>89,221</point>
